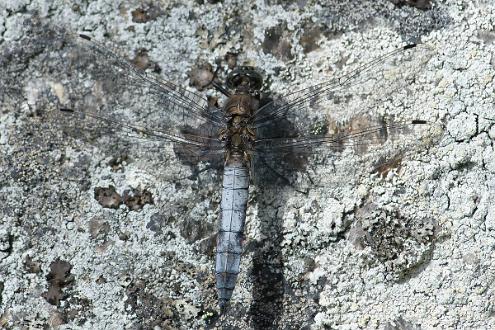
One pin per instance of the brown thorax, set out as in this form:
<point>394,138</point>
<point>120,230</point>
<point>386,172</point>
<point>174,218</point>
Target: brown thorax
<point>239,139</point>
<point>239,109</point>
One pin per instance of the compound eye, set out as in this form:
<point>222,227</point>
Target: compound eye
<point>245,75</point>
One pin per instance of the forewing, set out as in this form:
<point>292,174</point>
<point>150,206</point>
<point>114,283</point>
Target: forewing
<point>104,94</point>
<point>302,134</point>
<point>360,90</point>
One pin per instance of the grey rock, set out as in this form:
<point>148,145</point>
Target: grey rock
<point>396,237</point>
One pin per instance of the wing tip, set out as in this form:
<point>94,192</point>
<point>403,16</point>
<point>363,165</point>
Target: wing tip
<point>410,46</point>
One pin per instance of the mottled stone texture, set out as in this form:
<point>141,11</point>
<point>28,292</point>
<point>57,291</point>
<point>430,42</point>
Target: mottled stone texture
<point>100,232</point>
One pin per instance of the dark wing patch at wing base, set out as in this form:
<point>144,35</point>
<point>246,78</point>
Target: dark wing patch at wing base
<point>298,161</point>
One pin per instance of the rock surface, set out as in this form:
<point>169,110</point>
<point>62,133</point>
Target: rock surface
<point>99,234</point>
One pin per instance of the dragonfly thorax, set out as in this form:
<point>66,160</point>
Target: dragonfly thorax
<point>238,136</point>
<point>241,105</point>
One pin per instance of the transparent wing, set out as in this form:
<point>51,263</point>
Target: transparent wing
<point>347,94</point>
<point>103,94</point>
<point>354,135</point>
<point>306,162</point>
<point>301,135</point>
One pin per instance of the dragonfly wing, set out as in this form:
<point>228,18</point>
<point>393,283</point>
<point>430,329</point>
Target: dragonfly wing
<point>381,83</point>
<point>99,93</point>
<point>305,132</point>
<point>300,161</point>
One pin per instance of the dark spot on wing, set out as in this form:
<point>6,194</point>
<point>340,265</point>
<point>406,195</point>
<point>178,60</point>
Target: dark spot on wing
<point>135,199</point>
<point>277,42</point>
<point>58,278</point>
<point>201,76</point>
<point>192,155</point>
<point>420,4</point>
<point>108,197</point>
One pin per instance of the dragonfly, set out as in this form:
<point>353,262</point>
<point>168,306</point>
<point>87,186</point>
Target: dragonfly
<point>256,137</point>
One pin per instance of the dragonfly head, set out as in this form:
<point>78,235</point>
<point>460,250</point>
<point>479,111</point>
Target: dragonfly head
<point>245,79</point>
